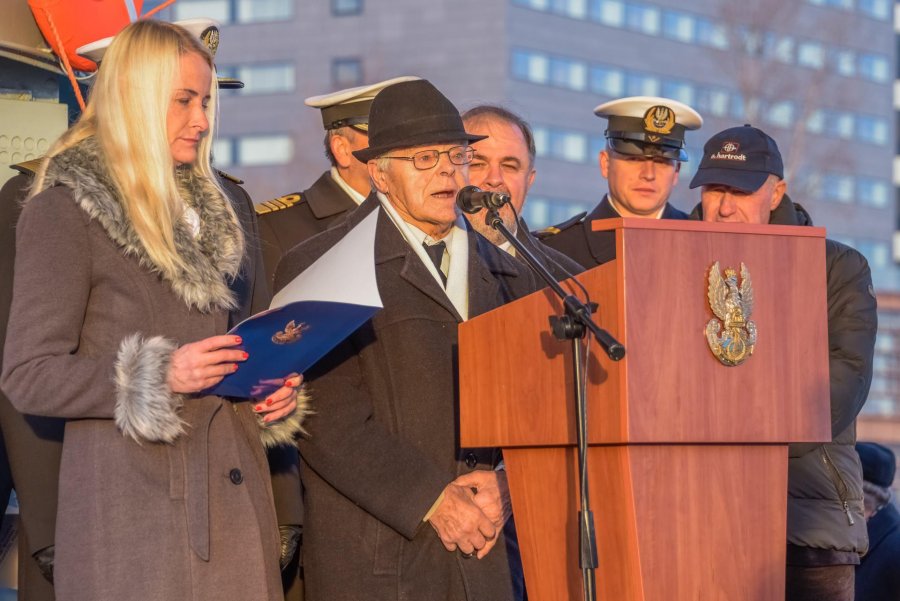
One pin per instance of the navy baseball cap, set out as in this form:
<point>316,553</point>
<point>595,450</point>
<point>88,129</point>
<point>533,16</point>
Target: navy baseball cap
<point>878,463</point>
<point>739,157</point>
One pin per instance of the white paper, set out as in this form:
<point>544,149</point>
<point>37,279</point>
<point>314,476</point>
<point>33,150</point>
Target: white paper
<point>344,274</point>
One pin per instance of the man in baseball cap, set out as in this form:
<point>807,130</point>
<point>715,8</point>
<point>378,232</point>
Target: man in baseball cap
<point>641,161</point>
<point>742,179</point>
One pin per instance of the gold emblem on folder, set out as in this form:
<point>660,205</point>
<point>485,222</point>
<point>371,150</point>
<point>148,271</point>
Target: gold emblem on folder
<point>732,304</point>
<point>292,333</point>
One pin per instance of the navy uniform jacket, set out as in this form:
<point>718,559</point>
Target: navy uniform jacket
<point>287,221</point>
<point>575,239</point>
<point>878,574</point>
<point>558,264</point>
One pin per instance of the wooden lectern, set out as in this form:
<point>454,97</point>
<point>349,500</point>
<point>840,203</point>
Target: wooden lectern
<point>687,457</point>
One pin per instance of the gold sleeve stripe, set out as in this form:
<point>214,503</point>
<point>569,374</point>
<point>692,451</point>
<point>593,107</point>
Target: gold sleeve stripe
<point>277,204</point>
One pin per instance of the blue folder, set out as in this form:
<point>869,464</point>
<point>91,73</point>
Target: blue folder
<point>287,340</point>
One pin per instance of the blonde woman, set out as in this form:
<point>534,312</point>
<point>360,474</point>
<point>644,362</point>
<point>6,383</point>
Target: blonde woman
<point>120,302</point>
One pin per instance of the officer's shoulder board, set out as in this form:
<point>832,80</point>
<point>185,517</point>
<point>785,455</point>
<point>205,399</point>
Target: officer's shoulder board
<point>278,204</point>
<point>229,177</point>
<point>560,227</point>
<point>28,167</point>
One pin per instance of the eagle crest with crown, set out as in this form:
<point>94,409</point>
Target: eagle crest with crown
<point>732,339</point>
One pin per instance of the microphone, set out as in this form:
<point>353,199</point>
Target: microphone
<point>472,199</point>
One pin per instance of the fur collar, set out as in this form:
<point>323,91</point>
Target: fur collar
<point>211,259</point>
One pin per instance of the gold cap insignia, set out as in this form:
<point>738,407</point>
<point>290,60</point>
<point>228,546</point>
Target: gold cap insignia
<point>210,39</point>
<point>659,119</point>
<point>730,147</point>
<point>732,304</point>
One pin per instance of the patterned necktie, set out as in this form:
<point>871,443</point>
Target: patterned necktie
<point>436,253</point>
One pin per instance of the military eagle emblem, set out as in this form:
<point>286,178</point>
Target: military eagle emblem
<point>292,333</point>
<point>733,305</point>
<point>659,120</point>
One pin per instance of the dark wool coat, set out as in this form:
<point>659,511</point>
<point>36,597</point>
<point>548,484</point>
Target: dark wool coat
<point>162,496</point>
<point>878,574</point>
<point>383,442</point>
<point>317,207</point>
<point>577,240</point>
<point>33,444</point>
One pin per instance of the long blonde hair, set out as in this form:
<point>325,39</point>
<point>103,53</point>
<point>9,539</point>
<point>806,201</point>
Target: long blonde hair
<point>126,113</point>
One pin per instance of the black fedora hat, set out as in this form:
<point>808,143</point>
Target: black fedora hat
<point>412,113</point>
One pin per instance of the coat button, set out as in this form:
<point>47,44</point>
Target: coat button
<point>236,476</point>
<point>471,460</point>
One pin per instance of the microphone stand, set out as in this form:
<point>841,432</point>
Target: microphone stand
<point>573,326</point>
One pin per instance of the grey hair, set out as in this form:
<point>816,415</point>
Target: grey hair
<point>875,497</point>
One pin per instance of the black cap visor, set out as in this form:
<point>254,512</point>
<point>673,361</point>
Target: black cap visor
<point>745,181</point>
<point>646,149</point>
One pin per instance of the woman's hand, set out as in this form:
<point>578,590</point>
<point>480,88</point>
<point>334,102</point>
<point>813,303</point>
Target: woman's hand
<point>198,365</point>
<point>280,403</point>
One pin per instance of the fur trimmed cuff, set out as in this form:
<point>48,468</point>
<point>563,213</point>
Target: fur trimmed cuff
<point>286,430</point>
<point>146,410</point>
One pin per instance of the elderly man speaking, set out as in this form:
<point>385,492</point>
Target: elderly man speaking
<point>395,509</point>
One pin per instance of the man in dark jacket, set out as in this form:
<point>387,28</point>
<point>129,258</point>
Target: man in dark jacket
<point>742,178</point>
<point>643,155</point>
<point>878,573</point>
<point>394,507</point>
<point>504,162</point>
<point>290,219</point>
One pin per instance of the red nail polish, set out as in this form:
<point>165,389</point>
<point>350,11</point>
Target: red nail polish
<point>259,407</point>
<point>234,367</point>
<point>269,401</point>
<point>237,339</point>
<point>244,355</point>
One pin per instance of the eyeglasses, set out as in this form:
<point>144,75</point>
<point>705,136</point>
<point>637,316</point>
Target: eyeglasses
<point>427,159</point>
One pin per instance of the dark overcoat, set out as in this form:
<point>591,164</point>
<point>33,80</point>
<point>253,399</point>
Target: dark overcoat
<point>878,574</point>
<point>32,444</point>
<point>384,441</point>
<point>161,496</point>
<point>577,240</point>
<point>303,216</point>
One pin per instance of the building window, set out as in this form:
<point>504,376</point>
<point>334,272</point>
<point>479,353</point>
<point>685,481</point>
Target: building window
<point>343,8</point>
<point>637,84</point>
<point>873,192</point>
<point>541,141</point>
<point>642,18</point>
<point>607,81</point>
<point>256,11</point>
<point>871,129</point>
<point>844,62</point>
<point>815,123</point>
<point>223,152</point>
<point>219,10</point>
<point>576,9</point>
<point>608,12</point>
<point>346,73</point>
<point>781,114</point>
<point>254,151</point>
<point>678,26</point>
<point>568,146</point>
<point>711,34</point>
<point>811,54</point>
<point>839,124</point>
<point>678,90</point>
<point>566,73</point>
<point>263,79</point>
<point>714,102</point>
<point>779,48</point>
<point>874,67</point>
<point>879,9</point>
<point>838,187</point>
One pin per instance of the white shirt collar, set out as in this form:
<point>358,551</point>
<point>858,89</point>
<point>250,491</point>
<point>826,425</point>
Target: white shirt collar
<point>613,204</point>
<point>353,194</point>
<point>457,288</point>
